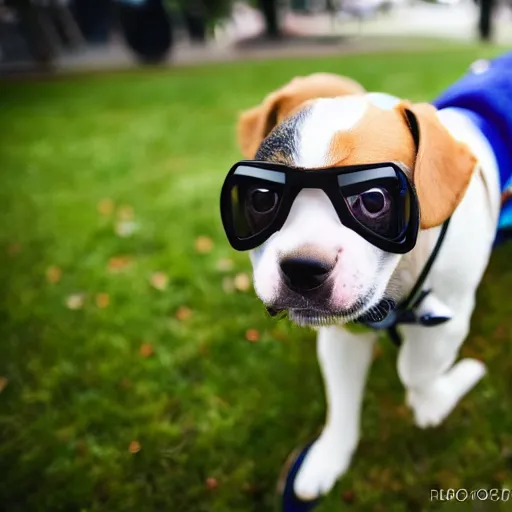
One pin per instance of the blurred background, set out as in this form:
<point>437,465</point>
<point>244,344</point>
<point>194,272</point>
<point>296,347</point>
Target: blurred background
<point>85,34</point>
<point>138,370</point>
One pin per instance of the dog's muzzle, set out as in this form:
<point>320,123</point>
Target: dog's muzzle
<point>304,275</point>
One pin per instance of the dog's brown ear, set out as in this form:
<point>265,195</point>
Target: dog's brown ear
<point>443,166</point>
<point>256,123</point>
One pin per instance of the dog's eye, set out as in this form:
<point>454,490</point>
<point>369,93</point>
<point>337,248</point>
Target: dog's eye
<point>373,202</point>
<point>262,200</point>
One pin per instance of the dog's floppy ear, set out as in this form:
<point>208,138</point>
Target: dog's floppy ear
<point>443,166</point>
<point>256,123</point>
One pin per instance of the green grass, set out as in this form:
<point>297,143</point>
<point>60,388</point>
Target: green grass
<point>206,404</point>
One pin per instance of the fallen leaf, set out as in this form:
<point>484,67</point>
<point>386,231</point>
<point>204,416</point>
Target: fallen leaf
<point>125,228</point>
<point>242,282</point>
<point>13,249</point>
<point>125,212</point>
<point>3,383</point>
<point>224,264</point>
<point>183,313</point>
<point>106,207</point>
<point>126,383</point>
<point>377,352</point>
<point>159,280</point>
<point>119,263</point>
<point>212,483</point>
<point>203,349</point>
<point>228,285</point>
<point>204,244</point>
<point>501,332</point>
<point>82,450</point>
<point>348,496</point>
<point>53,274</point>
<point>402,411</point>
<point>102,300</point>
<point>75,301</point>
<point>134,447</point>
<point>252,335</point>
<point>146,350</point>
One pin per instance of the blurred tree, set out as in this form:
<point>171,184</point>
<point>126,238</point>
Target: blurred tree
<point>485,21</point>
<point>146,27</point>
<point>269,10</point>
<point>199,15</point>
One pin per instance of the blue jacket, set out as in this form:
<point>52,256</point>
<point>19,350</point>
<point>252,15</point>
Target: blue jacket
<point>485,95</point>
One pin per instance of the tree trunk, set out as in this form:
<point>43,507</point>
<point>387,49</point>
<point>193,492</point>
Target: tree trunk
<point>485,22</point>
<point>269,11</point>
<point>194,15</point>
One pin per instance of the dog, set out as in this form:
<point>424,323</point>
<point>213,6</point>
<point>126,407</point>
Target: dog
<point>316,262</point>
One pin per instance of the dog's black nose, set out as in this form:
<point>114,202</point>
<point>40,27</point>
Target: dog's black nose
<point>304,274</point>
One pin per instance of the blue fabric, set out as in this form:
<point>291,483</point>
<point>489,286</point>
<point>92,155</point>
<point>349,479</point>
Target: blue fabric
<point>289,501</point>
<point>485,95</point>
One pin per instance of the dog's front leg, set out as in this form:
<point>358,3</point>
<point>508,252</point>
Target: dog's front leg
<point>344,359</point>
<point>434,384</point>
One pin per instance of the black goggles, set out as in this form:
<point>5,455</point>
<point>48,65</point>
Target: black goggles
<point>377,201</point>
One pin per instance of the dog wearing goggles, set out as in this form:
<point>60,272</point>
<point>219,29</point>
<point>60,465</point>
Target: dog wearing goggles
<point>341,201</point>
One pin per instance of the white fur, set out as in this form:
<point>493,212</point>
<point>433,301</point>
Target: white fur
<point>383,100</point>
<point>327,117</point>
<point>433,380</point>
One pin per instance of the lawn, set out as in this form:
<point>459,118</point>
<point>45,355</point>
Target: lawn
<point>137,370</point>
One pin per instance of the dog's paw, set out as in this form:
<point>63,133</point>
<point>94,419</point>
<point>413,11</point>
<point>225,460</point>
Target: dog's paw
<point>432,404</point>
<point>322,467</point>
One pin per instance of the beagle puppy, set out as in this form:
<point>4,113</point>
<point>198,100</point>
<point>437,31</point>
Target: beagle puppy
<point>341,201</point>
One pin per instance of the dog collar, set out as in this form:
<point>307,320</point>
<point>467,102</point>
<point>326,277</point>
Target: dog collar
<point>406,312</point>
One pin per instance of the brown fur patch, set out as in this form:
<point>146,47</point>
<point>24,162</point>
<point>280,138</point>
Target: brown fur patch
<point>380,136</point>
<point>443,168</point>
<point>256,123</point>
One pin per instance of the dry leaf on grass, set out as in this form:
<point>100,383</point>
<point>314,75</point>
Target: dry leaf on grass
<point>126,383</point>
<point>224,265</point>
<point>159,280</point>
<point>125,212</point>
<point>203,349</point>
<point>102,300</point>
<point>82,450</point>
<point>53,274</point>
<point>204,244</point>
<point>242,282</point>
<point>377,352</point>
<point>252,335</point>
<point>348,496</point>
<point>119,263</point>
<point>106,207</point>
<point>125,228</point>
<point>146,350</point>
<point>228,285</point>
<point>212,483</point>
<point>13,249</point>
<point>3,383</point>
<point>75,301</point>
<point>501,332</point>
<point>183,313</point>
<point>134,447</point>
